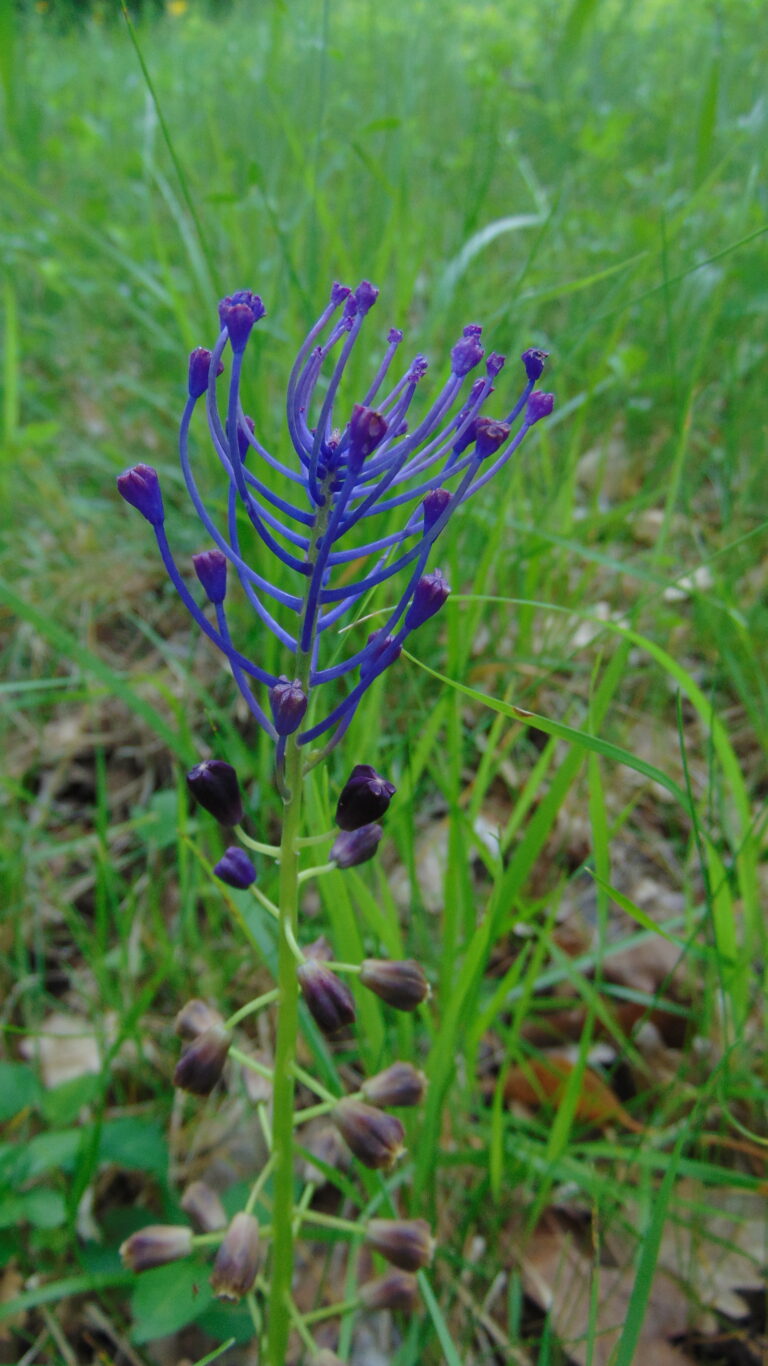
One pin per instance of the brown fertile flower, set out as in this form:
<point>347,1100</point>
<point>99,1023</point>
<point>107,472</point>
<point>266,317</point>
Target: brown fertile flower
<point>237,1260</point>
<point>395,1290</point>
<point>155,1245</point>
<point>194,1018</point>
<point>329,1000</point>
<point>399,1084</point>
<point>406,1243</point>
<point>202,1062</point>
<point>374,1137</point>
<point>204,1207</point>
<point>401,984</point>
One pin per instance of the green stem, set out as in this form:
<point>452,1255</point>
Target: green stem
<point>271,850</point>
<point>279,1322</point>
<point>250,1007</point>
<point>317,871</point>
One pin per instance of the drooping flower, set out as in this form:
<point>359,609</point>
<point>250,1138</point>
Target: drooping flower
<point>326,536</point>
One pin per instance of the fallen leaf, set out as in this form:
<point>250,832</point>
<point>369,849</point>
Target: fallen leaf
<point>541,1083</point>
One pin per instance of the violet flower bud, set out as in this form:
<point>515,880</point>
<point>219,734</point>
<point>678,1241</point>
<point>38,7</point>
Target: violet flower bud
<point>489,435</point>
<point>352,847</point>
<point>213,783</point>
<point>195,1018</point>
<point>202,1062</point>
<point>156,1245</point>
<point>329,1000</point>
<point>364,798</point>
<point>238,312</point>
<point>467,353</point>
<point>140,486</point>
<point>199,368</point>
<point>399,1084</point>
<point>375,1138</point>
<point>395,1290</point>
<point>211,569</point>
<point>367,429</point>
<point>539,405</point>
<point>406,1243</point>
<point>434,505</point>
<point>237,1260</point>
<point>401,984</point>
<point>429,596</point>
<point>289,703</point>
<point>204,1207</point>
<point>533,359</point>
<point>236,869</point>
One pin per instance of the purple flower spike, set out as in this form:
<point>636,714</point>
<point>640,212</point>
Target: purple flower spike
<point>140,487</point>
<point>289,703</point>
<point>429,595</point>
<point>355,846</point>
<point>467,353</point>
<point>199,368</point>
<point>366,430</point>
<point>211,570</point>
<point>539,405</point>
<point>236,869</point>
<point>533,359</point>
<point>434,506</point>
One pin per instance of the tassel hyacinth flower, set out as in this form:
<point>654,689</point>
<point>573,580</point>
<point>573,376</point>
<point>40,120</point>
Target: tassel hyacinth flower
<point>324,522</point>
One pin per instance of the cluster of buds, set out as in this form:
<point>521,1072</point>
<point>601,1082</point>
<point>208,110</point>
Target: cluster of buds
<point>348,475</point>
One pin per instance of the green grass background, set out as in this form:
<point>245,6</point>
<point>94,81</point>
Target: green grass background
<point>586,177</point>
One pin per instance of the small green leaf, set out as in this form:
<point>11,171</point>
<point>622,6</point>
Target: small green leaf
<point>43,1208</point>
<point>169,1297</point>
<point>19,1088</point>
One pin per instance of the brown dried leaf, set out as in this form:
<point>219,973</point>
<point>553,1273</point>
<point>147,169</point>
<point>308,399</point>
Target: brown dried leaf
<point>541,1083</point>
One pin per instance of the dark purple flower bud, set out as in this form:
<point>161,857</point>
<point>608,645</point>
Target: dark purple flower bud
<point>396,1290</point>
<point>329,1000</point>
<point>533,359</point>
<point>401,984</point>
<point>140,487</point>
<point>355,846</point>
<point>434,505</point>
<point>202,1062</point>
<point>377,644</point>
<point>467,353</point>
<point>289,703</point>
<point>237,1260</point>
<point>394,336</point>
<point>204,1207</point>
<point>211,569</point>
<point>429,595</point>
<point>243,444</point>
<point>494,364</point>
<point>199,369</point>
<point>539,405</point>
<point>489,435</point>
<point>399,1084</point>
<point>364,798</point>
<point>366,429</point>
<point>156,1245</point>
<point>236,869</point>
<point>375,1138</point>
<point>195,1018</point>
<point>406,1243</point>
<point>238,312</point>
<point>366,295</point>
<point>339,292</point>
<point>213,783</point>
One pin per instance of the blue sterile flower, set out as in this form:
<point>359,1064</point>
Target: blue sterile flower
<point>365,496</point>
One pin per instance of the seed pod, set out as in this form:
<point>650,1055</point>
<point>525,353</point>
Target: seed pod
<point>406,1243</point>
<point>329,1000</point>
<point>399,1084</point>
<point>374,1137</point>
<point>237,1260</point>
<point>204,1207</point>
<point>401,984</point>
<point>202,1062</point>
<point>395,1290</point>
<point>155,1245</point>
